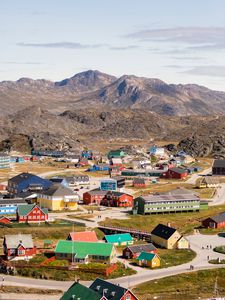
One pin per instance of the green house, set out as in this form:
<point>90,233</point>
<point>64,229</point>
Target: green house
<point>79,291</point>
<point>85,252</point>
<point>116,154</point>
<point>119,239</point>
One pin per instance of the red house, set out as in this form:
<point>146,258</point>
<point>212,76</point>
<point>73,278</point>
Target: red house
<point>31,213</point>
<point>94,196</point>
<point>139,182</point>
<point>4,220</point>
<point>117,199</point>
<point>19,246</point>
<point>217,221</point>
<point>135,250</point>
<point>83,236</point>
<point>175,173</point>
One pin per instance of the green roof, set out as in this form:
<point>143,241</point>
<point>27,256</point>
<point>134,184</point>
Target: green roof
<point>146,256</point>
<point>24,209</point>
<point>82,249</point>
<point>116,153</point>
<point>80,292</point>
<point>118,238</point>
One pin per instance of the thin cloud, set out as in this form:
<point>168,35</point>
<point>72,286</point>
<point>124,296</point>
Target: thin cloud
<point>21,63</point>
<point>196,36</point>
<point>211,71</point>
<point>65,45</point>
<point>124,47</point>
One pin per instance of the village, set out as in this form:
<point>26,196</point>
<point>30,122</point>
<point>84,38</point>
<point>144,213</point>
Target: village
<point>81,216</point>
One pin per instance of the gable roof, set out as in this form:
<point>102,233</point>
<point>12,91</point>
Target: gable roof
<point>146,256</point>
<point>12,201</point>
<point>80,291</point>
<point>58,191</point>
<point>97,192</point>
<point>219,163</point>
<point>163,231</point>
<point>26,176</point>
<point>84,236</point>
<point>82,249</point>
<point>25,209</point>
<point>111,291</point>
<point>178,170</point>
<point>142,247</point>
<point>118,238</point>
<point>13,240</point>
<point>218,218</point>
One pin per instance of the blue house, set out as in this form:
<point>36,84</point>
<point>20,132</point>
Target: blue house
<point>50,153</point>
<point>99,167</point>
<point>87,154</point>
<point>27,182</point>
<point>108,185</point>
<point>9,206</point>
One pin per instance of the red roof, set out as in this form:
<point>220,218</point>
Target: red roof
<point>84,236</point>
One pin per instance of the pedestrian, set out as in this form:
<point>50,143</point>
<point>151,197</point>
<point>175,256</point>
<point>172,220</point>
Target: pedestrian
<point>208,257</point>
<point>202,247</point>
<point>3,278</point>
<point>210,246</point>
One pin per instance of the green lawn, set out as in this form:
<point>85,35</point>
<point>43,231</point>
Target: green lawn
<point>183,287</point>
<point>175,257</point>
<point>184,222</point>
<point>56,230</point>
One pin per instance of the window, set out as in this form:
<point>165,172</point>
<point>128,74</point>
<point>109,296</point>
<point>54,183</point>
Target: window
<point>128,297</point>
<point>21,252</point>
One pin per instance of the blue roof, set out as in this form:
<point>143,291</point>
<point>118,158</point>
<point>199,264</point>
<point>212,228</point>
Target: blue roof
<point>118,238</point>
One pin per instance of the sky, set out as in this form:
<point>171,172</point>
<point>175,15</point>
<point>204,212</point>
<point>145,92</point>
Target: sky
<point>174,40</point>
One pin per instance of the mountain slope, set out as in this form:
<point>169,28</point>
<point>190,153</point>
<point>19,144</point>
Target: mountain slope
<point>96,89</point>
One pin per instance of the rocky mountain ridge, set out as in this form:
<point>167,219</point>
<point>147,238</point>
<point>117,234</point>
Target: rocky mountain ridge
<point>96,89</point>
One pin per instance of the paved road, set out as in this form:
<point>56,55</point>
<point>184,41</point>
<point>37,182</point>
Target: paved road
<point>200,263</point>
<point>195,176</point>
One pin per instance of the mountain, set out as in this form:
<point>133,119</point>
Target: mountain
<point>87,81</point>
<point>106,92</point>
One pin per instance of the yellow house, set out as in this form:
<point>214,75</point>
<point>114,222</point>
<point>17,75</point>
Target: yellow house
<point>166,237</point>
<point>146,259</point>
<point>58,197</point>
<point>182,243</point>
<point>208,182</point>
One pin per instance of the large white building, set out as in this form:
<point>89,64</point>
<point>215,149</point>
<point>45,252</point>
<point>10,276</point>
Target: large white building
<point>4,161</point>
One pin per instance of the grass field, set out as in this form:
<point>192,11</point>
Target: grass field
<point>196,285</point>
<point>184,222</point>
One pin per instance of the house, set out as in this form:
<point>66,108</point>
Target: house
<point>157,151</point>
<point>9,206</point>
<point>18,246</point>
<point>4,161</point>
<point>115,171</point>
<point>119,239</point>
<point>139,182</point>
<point>167,203</point>
<point>99,167</point>
<point>83,236</point>
<point>83,162</point>
<point>108,184</point>
<point>78,180</point>
<point>218,167</point>
<point>116,154</point>
<point>94,196</point>
<point>72,158</point>
<point>58,197</point>
<point>120,181</point>
<point>31,213</point>
<point>146,259</point>
<point>50,153</point>
<point>168,237</point>
<point>112,291</point>
<point>217,221</point>
<point>175,173</point>
<point>79,291</point>
<point>116,161</point>
<point>27,182</point>
<point>134,251</point>
<point>129,174</point>
<point>208,182</point>
<point>85,252</point>
<point>117,199</point>
<point>4,220</point>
